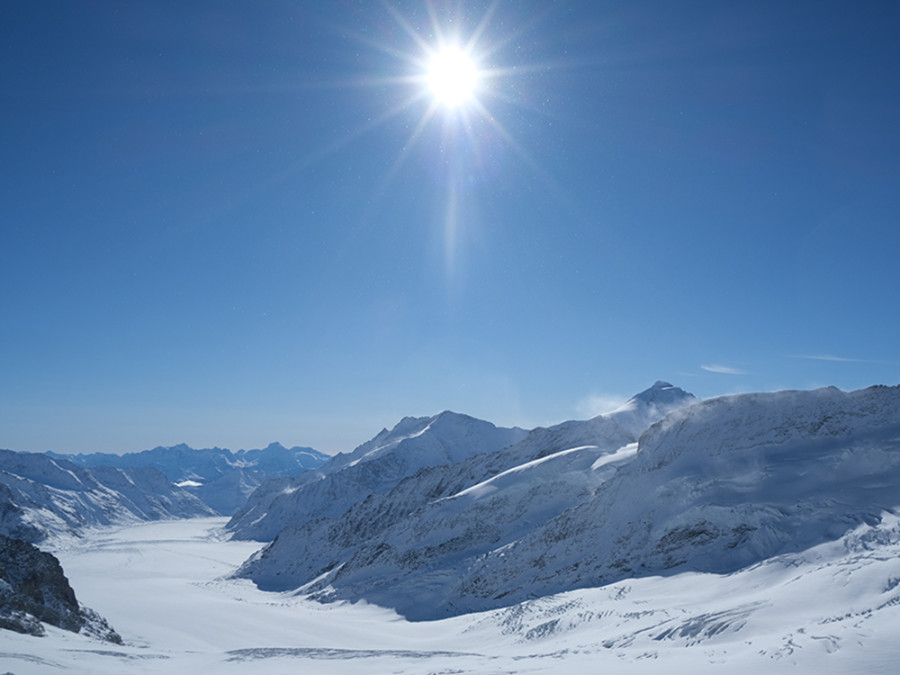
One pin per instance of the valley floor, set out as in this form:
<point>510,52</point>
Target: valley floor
<point>833,609</point>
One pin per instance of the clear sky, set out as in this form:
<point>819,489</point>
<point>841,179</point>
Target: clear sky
<point>228,223</point>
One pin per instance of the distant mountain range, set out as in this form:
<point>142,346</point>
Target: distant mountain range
<point>50,494</point>
<point>222,479</point>
<point>42,496</point>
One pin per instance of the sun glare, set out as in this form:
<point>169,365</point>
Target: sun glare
<point>450,74</point>
<point>452,77</point>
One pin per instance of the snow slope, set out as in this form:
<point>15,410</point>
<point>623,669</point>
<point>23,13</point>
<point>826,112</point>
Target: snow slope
<point>373,468</point>
<point>714,487</point>
<point>222,479</point>
<point>833,610</point>
<point>42,497</point>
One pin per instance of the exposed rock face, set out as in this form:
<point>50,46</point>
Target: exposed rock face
<point>34,590</point>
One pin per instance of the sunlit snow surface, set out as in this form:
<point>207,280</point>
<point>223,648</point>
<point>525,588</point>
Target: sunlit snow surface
<point>831,609</point>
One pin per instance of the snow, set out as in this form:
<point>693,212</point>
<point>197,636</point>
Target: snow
<point>493,484</point>
<point>753,533</point>
<point>622,454</point>
<point>834,609</point>
<point>714,486</point>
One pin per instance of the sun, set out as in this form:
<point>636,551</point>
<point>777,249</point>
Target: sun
<point>453,91</point>
<point>452,77</point>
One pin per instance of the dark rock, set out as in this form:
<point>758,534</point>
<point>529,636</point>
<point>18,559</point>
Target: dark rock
<point>34,590</point>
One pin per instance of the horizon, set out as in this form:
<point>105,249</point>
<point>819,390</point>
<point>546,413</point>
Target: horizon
<point>230,223</point>
<point>617,405</point>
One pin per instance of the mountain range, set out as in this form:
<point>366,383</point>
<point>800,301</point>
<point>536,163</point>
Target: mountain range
<point>663,485</point>
<point>221,478</point>
<point>447,515</point>
<point>43,496</point>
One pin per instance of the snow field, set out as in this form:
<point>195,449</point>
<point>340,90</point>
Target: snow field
<point>831,609</point>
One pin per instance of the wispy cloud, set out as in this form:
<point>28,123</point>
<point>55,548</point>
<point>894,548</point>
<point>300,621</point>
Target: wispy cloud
<point>598,403</point>
<point>828,357</point>
<point>724,370</point>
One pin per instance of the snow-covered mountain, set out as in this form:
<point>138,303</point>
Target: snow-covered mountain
<point>42,496</point>
<point>222,479</point>
<point>374,467</point>
<point>712,487</point>
<point>456,513</point>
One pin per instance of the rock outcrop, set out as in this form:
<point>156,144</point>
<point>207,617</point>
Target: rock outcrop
<point>34,591</point>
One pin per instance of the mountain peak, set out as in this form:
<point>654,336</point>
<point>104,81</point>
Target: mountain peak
<point>651,405</point>
<point>661,393</point>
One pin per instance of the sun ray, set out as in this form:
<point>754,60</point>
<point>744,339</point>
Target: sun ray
<point>436,25</point>
<point>401,20</point>
<point>529,161</point>
<point>450,228</point>
<point>475,39</point>
<point>333,147</point>
<point>404,154</point>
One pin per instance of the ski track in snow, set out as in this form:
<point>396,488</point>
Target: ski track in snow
<point>832,609</point>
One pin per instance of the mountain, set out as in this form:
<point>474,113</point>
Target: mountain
<point>374,467</point>
<point>450,515</point>
<point>222,479</point>
<point>716,486</point>
<point>42,496</point>
<point>34,590</point>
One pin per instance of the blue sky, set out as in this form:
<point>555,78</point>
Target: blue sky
<point>230,223</point>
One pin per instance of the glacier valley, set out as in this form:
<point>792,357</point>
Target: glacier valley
<point>752,532</point>
<point>165,587</point>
